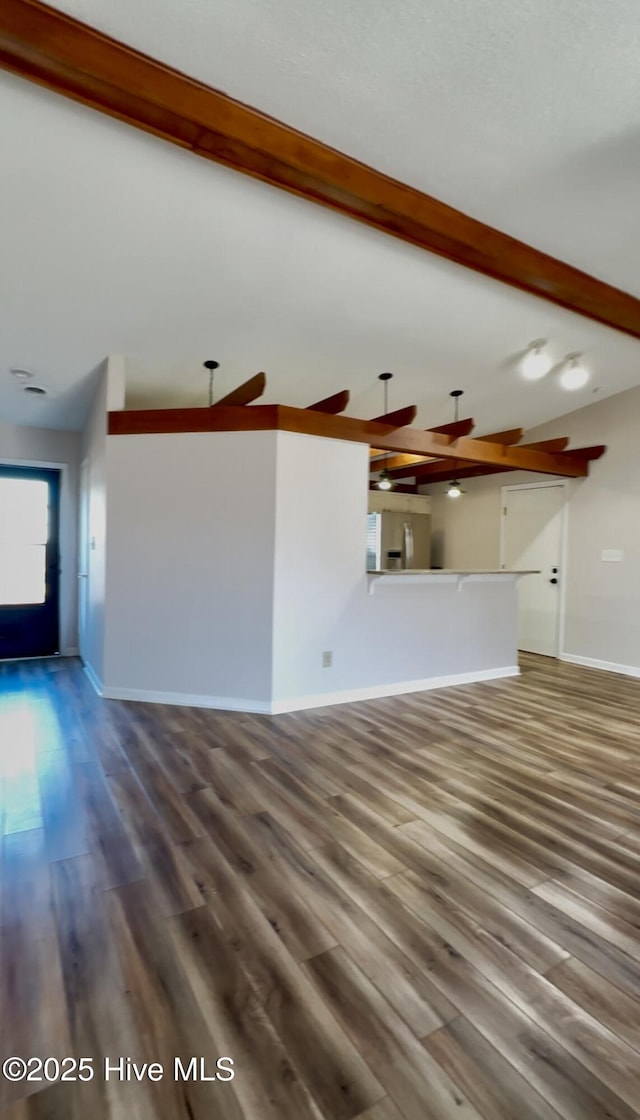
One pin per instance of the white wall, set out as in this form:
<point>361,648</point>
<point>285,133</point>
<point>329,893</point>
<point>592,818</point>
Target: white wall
<point>189,586</point>
<point>234,559</point>
<point>602,599</point>
<point>58,449</point>
<point>382,642</point>
<point>93,458</point>
<point>109,397</point>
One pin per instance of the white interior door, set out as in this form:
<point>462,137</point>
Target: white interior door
<point>532,538</point>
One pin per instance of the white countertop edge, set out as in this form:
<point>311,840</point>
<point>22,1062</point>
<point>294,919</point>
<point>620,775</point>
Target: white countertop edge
<point>452,572</point>
<point>444,575</point>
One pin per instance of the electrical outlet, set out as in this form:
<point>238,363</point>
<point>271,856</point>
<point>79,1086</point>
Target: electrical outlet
<point>327,658</point>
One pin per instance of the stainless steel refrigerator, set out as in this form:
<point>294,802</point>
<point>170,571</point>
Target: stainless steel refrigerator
<point>407,536</point>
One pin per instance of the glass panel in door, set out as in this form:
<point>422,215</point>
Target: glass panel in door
<point>29,561</point>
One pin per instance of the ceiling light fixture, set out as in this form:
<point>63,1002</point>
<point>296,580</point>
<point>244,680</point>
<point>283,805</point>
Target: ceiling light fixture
<point>211,365</point>
<point>454,489</point>
<point>35,390</point>
<point>536,363</point>
<point>456,394</point>
<point>385,482</point>
<point>385,378</point>
<point>574,375</point>
<point>20,373</point>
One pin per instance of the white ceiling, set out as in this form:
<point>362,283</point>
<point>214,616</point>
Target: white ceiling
<point>114,242</point>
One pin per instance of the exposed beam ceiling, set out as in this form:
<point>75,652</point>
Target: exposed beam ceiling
<point>47,47</point>
<point>453,430</point>
<point>308,422</point>
<point>441,470</point>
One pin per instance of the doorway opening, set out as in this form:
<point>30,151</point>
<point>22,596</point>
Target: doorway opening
<point>29,562</point>
<point>533,537</point>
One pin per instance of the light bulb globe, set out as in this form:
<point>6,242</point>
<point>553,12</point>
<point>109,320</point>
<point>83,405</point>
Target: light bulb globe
<point>536,363</point>
<point>574,375</point>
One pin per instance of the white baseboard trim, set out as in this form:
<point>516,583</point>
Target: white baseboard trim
<point>95,680</point>
<point>376,692</point>
<point>187,699</point>
<point>606,666</point>
<point>296,703</point>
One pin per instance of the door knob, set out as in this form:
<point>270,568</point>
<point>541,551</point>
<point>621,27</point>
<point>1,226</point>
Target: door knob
<point>554,580</point>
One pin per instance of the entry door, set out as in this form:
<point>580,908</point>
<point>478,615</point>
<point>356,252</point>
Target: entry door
<point>532,538</point>
<point>29,561</point>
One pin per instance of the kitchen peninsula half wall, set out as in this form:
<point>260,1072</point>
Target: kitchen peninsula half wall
<point>236,579</point>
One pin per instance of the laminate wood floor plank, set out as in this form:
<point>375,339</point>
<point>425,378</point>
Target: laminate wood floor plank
<point>603,957</point>
<point>421,1088</point>
<point>98,1012</point>
<point>297,927</point>
<point>493,1085</point>
<point>592,1043</point>
<point>415,908</point>
<point>244,977</point>
<point>406,986</point>
<point>159,784</point>
<point>163,863</point>
<point>610,1005</point>
<point>158,747</point>
<point>590,915</point>
<point>557,1076</point>
<point>164,1008</point>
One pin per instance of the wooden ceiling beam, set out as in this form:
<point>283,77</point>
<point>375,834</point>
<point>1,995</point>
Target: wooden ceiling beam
<point>415,442</point>
<point>558,444</point>
<point>442,470</point>
<point>45,46</point>
<point>454,468</point>
<point>333,405</point>
<point>452,431</point>
<point>409,440</point>
<point>406,464</point>
<point>513,435</point>
<point>401,418</point>
<point>245,393</point>
<point>455,428</point>
<point>586,453</point>
<point>544,445</point>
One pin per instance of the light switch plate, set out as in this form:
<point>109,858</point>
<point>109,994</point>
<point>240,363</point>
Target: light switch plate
<point>612,554</point>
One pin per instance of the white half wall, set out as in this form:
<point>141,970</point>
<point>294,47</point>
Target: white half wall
<point>400,639</point>
<point>190,568</point>
<point>52,448</point>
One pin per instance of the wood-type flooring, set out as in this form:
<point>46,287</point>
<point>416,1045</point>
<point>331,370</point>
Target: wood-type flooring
<point>422,907</point>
